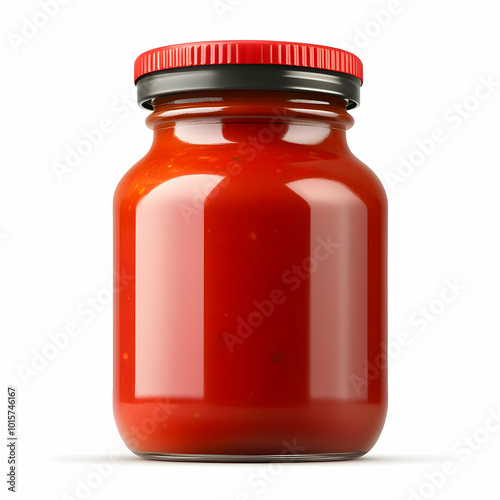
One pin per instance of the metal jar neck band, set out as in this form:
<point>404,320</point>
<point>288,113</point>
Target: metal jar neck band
<point>247,77</point>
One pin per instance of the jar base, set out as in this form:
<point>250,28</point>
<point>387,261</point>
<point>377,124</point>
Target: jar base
<point>285,458</point>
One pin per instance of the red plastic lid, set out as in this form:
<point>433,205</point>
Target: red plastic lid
<point>248,52</point>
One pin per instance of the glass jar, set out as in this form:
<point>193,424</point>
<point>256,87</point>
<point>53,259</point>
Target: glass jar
<point>250,258</point>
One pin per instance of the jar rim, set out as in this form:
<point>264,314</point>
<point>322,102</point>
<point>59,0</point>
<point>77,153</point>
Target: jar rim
<point>247,77</point>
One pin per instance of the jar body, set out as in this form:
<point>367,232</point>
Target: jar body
<point>250,307</point>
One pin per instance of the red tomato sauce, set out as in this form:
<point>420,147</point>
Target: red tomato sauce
<point>250,257</point>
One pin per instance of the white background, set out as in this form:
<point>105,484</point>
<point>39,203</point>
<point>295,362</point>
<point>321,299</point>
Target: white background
<point>425,67</point>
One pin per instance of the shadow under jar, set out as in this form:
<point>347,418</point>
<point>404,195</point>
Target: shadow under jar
<point>249,261</point>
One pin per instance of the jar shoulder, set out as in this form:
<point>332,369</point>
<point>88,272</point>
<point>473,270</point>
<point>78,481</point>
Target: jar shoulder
<point>270,169</point>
